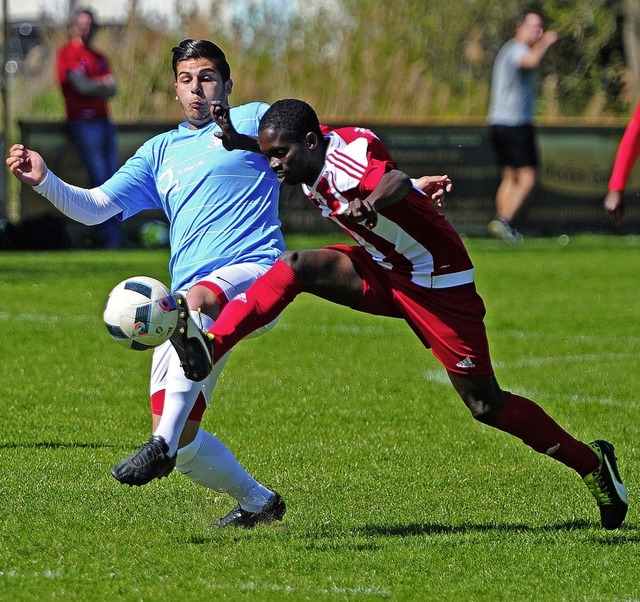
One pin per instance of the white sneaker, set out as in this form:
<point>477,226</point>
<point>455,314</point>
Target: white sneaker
<point>499,228</point>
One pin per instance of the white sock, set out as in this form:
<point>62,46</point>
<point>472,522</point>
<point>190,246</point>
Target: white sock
<point>181,393</point>
<point>174,417</point>
<point>208,462</point>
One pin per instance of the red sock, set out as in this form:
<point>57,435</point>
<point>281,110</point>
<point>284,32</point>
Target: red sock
<point>526,420</point>
<point>263,302</point>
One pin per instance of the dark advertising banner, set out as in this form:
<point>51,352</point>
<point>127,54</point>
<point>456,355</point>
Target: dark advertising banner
<point>575,163</point>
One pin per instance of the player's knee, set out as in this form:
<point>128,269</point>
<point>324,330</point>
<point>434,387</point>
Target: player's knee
<point>483,413</point>
<point>526,177</point>
<point>296,260</point>
<point>201,297</point>
<point>485,410</point>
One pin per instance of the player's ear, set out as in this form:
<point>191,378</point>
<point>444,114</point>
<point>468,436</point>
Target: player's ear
<point>228,86</point>
<point>311,139</point>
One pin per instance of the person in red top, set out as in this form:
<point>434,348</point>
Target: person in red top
<point>408,263</point>
<point>626,156</point>
<point>87,83</point>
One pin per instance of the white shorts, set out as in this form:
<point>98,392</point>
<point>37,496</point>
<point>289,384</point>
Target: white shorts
<point>166,372</point>
<point>231,280</point>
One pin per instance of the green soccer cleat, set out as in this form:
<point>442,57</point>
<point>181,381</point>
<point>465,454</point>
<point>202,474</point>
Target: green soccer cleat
<point>607,487</point>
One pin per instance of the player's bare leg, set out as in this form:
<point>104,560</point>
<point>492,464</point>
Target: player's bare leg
<point>326,273</point>
<point>521,182</point>
<point>515,187</point>
<point>595,462</point>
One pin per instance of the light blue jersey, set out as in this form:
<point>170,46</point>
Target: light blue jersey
<point>222,206</point>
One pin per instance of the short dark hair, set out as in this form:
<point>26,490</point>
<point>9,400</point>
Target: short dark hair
<point>201,49</point>
<point>292,118</point>
<point>86,11</point>
<point>530,10</point>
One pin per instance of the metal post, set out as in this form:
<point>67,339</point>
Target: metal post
<point>4,191</point>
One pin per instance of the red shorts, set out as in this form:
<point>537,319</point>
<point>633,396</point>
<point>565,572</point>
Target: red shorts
<point>450,321</point>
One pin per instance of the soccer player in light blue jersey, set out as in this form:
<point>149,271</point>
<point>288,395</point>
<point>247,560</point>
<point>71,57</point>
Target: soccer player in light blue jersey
<point>222,207</point>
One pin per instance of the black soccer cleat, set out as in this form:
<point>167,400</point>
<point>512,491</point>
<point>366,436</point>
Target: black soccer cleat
<point>151,461</point>
<point>237,517</point>
<point>194,348</point>
<point>607,487</point>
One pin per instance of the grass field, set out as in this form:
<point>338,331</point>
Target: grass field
<point>393,492</point>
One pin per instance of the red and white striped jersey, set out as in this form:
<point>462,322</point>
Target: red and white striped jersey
<point>412,237</point>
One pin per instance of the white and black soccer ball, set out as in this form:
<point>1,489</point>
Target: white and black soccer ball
<point>141,313</point>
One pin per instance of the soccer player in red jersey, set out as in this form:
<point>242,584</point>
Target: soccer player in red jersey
<point>408,263</point>
<point>626,156</point>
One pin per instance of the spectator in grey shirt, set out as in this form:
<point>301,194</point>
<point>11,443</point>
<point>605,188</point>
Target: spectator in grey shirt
<point>511,110</point>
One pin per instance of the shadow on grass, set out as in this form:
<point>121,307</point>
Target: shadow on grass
<point>56,445</point>
<point>433,529</point>
<point>627,533</point>
<point>340,536</point>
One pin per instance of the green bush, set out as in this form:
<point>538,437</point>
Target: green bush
<point>371,61</point>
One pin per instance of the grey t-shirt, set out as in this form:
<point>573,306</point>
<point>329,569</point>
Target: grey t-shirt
<point>513,89</point>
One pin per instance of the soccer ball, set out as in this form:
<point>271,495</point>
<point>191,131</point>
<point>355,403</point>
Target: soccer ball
<point>141,313</point>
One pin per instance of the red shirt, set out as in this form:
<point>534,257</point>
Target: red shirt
<point>411,237</point>
<point>75,56</point>
<point>627,153</point>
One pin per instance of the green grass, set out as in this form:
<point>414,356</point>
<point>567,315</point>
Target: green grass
<point>393,492</point>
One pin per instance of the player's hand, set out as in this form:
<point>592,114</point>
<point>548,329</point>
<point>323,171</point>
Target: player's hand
<point>26,165</point>
<point>362,211</point>
<point>227,133</point>
<point>614,205</point>
<point>435,187</point>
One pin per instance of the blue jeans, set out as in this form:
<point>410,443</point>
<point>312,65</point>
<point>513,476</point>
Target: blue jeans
<point>96,141</point>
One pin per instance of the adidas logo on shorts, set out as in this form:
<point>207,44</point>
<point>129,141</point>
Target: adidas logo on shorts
<point>467,362</point>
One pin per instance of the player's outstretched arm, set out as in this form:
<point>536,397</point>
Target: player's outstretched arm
<point>435,187</point>
<point>89,207</point>
<point>27,165</point>
<point>231,139</point>
<point>614,205</point>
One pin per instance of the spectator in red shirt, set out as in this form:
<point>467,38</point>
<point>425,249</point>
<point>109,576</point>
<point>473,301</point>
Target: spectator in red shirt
<point>87,82</point>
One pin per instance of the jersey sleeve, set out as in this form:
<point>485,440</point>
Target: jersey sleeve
<point>627,153</point>
<point>355,161</point>
<point>379,162</point>
<point>133,187</point>
<point>246,118</point>
<point>516,54</point>
<point>261,109</point>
